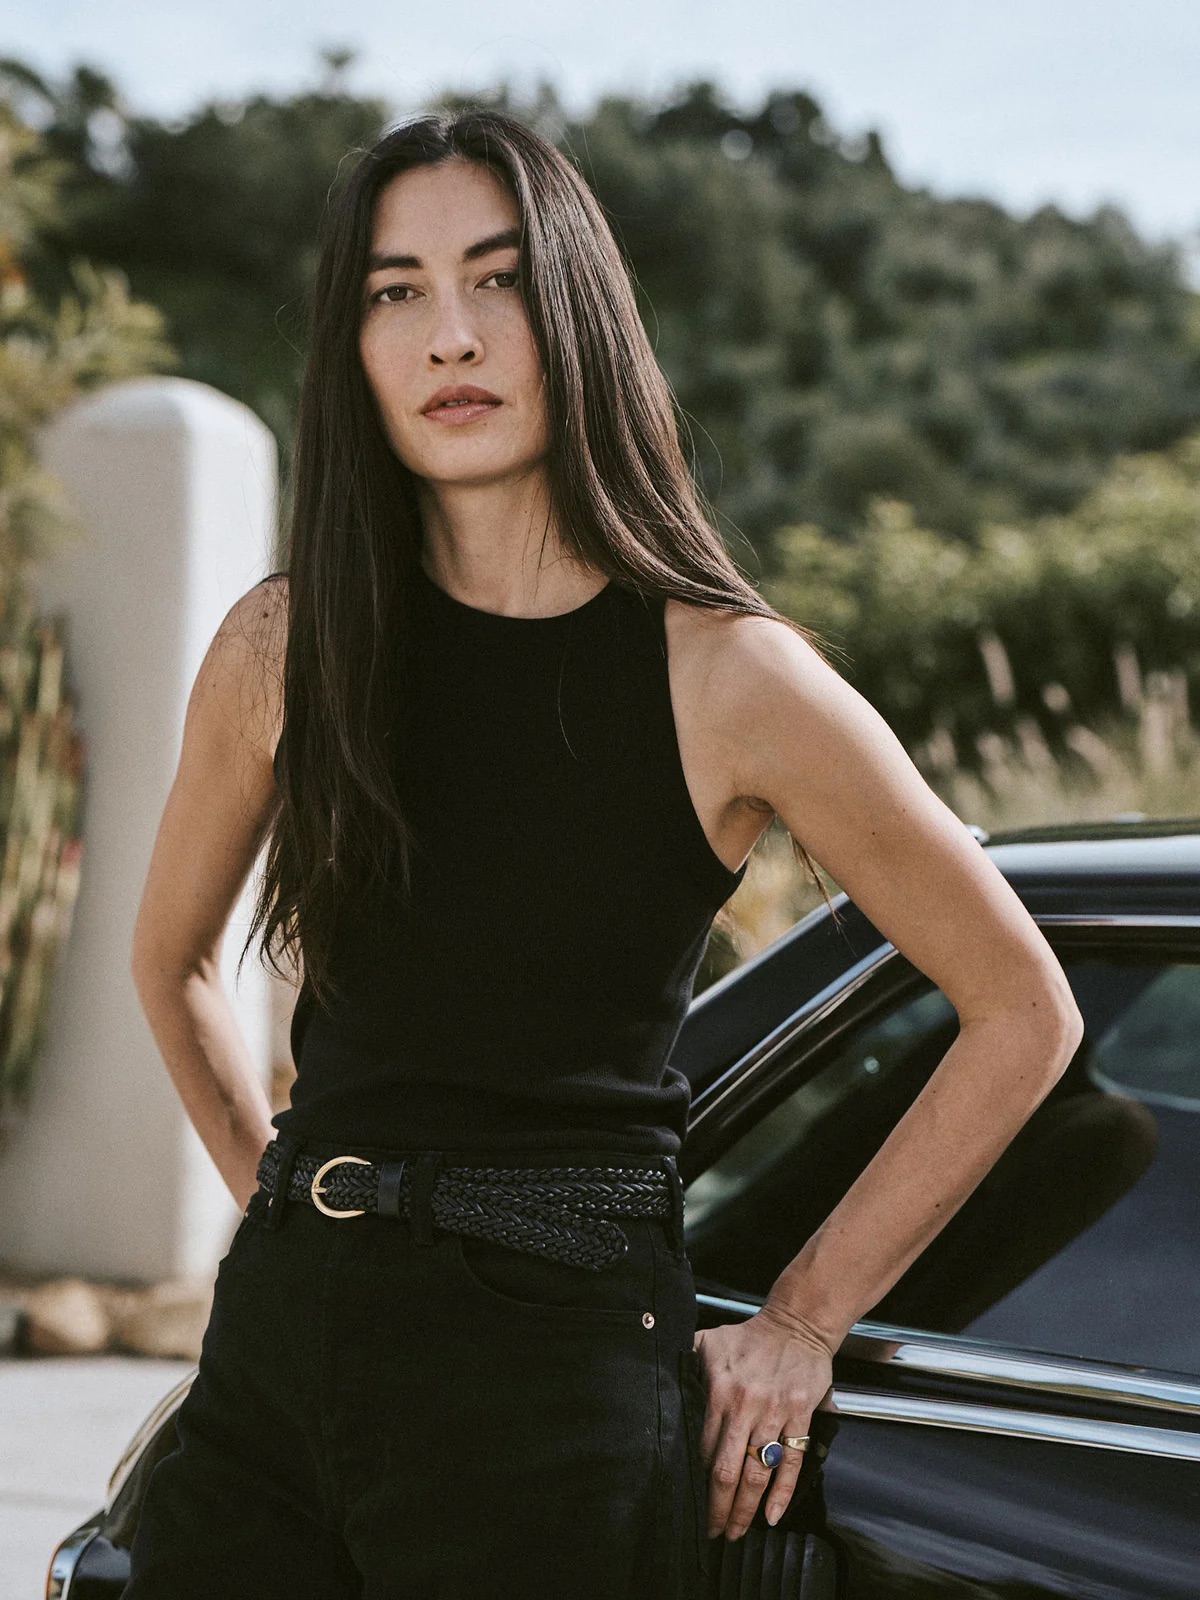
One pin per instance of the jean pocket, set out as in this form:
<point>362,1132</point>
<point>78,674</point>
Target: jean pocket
<point>536,1286</point>
<point>255,1210</point>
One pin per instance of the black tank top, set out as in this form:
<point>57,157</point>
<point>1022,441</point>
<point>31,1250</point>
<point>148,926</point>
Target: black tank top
<point>531,991</point>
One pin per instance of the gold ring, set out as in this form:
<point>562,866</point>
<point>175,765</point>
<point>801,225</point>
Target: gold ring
<point>315,1189</point>
<point>794,1443</point>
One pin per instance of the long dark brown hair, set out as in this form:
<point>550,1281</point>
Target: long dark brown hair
<point>622,494</point>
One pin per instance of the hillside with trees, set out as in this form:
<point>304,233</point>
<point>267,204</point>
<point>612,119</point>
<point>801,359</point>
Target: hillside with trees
<point>832,335</point>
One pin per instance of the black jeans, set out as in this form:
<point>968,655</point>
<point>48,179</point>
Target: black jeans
<point>385,1410</point>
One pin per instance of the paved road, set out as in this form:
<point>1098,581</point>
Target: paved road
<point>64,1421</point>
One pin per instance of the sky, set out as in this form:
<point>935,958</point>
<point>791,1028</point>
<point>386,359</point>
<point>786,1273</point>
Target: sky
<point>1079,102</point>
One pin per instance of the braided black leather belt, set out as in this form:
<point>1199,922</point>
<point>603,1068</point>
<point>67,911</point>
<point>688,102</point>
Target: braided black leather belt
<point>561,1212</point>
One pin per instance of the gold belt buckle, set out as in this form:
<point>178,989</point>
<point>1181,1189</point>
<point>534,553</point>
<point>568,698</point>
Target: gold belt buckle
<point>315,1187</point>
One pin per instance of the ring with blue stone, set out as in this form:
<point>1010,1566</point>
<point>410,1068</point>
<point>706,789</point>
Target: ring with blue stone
<point>770,1454</point>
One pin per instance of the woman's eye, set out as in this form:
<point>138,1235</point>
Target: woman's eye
<point>380,297</point>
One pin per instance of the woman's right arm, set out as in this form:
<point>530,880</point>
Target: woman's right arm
<point>214,824</point>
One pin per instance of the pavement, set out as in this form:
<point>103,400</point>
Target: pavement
<point>64,1421</point>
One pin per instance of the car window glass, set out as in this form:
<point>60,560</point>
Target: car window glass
<point>1151,1048</point>
<point>862,1069</point>
<point>1084,1236</point>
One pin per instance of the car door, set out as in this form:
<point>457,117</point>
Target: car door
<point>1020,1414</point>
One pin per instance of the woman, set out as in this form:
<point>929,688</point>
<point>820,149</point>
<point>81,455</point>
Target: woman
<point>510,727</point>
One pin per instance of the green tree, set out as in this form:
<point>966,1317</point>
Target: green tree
<point>837,337</point>
<point>94,332</point>
<point>833,336</point>
<point>916,612</point>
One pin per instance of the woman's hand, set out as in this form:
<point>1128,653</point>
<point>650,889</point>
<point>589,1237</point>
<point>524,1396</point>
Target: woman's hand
<point>764,1377</point>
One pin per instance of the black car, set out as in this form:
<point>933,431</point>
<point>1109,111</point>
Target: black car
<point>1020,1415</point>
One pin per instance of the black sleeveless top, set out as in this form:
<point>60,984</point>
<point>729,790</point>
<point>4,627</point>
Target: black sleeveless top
<point>531,991</point>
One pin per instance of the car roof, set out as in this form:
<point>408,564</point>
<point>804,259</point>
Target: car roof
<point>1131,842</point>
<point>1139,864</point>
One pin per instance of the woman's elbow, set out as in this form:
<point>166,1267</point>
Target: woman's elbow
<point>1064,1025</point>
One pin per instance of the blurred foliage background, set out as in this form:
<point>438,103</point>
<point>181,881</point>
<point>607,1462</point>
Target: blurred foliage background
<point>52,350</point>
<point>962,445</point>
<point>831,335</point>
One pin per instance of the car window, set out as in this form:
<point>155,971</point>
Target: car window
<point>1082,1239</point>
<point>862,1070</point>
<point>1151,1048</point>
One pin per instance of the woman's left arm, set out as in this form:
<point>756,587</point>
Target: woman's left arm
<point>808,745</point>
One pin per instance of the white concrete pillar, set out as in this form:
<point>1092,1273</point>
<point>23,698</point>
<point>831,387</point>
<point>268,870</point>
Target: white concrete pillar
<point>176,485</point>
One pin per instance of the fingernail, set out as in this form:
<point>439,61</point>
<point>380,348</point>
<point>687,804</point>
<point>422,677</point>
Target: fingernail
<point>735,1532</point>
<point>774,1516</point>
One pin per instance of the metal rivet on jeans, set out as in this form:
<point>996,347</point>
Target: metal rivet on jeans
<point>647,1319</point>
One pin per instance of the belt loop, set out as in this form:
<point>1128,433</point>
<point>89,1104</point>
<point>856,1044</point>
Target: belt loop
<point>420,1195</point>
<point>677,1208</point>
<point>289,1149</point>
<point>387,1197</point>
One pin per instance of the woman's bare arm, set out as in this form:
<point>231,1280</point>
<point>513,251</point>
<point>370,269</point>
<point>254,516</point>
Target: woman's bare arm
<point>810,746</point>
<point>213,826</point>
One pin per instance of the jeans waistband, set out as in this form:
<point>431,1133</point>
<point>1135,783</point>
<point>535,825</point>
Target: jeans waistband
<point>508,1154</point>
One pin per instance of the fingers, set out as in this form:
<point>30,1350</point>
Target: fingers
<point>737,1480</point>
<point>786,1475</point>
<point>761,1386</point>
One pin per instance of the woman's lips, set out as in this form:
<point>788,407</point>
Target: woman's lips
<point>464,413</point>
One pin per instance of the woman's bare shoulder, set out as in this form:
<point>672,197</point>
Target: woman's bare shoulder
<point>725,664</point>
<point>270,594</point>
<point>255,627</point>
<point>245,663</point>
<point>737,653</point>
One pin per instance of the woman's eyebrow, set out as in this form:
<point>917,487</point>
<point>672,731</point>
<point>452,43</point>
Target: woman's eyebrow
<point>377,261</point>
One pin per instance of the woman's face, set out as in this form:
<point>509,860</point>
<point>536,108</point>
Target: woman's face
<point>448,312</point>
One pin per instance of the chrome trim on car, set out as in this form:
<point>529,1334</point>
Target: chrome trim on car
<point>1042,1373</point>
<point>1044,1426</point>
<point>811,1012</point>
<point>1119,919</point>
<point>741,1307</point>
<point>64,1563</point>
<point>941,1356</point>
<point>145,1431</point>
